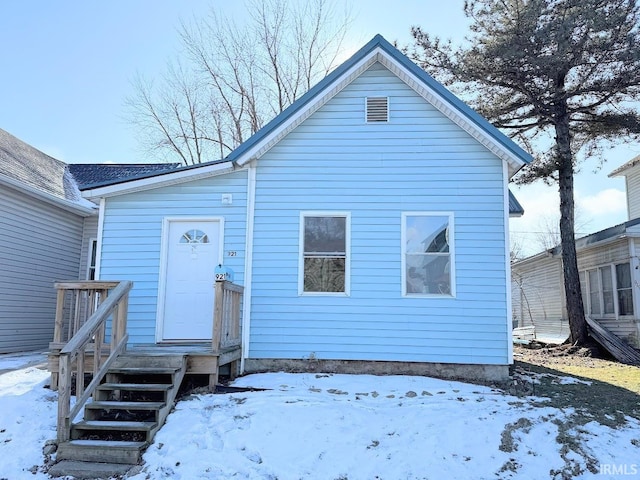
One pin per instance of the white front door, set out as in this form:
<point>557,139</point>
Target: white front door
<point>191,255</point>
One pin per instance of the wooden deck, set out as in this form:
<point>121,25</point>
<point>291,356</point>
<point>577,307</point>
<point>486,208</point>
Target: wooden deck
<point>91,336</point>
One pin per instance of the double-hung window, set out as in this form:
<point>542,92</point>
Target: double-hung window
<point>427,254</point>
<point>607,289</point>
<point>623,285</point>
<point>324,263</point>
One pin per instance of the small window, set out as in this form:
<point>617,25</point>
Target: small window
<point>325,263</point>
<point>427,245</point>
<point>625,292</point>
<point>377,109</point>
<point>93,254</point>
<point>194,236</point>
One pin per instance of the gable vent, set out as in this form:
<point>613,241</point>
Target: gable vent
<point>377,109</point>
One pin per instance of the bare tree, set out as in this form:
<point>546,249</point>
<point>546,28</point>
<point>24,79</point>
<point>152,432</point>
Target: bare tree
<point>547,234</point>
<point>233,78</point>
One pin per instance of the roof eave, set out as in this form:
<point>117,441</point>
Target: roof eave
<point>157,181</point>
<point>618,172</point>
<point>68,205</point>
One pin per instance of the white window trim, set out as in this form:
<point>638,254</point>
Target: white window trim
<point>92,241</point>
<point>452,254</point>
<point>614,280</point>
<point>347,263</point>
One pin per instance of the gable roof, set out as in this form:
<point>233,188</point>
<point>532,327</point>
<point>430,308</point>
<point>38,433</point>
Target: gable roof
<point>376,50</point>
<point>380,50</point>
<point>38,174</point>
<point>92,175</point>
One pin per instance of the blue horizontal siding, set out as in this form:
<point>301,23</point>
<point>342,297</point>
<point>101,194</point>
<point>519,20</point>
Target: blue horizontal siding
<point>419,161</point>
<point>132,236</point>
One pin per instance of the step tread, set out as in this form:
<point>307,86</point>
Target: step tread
<point>106,444</point>
<point>113,425</point>
<point>80,469</point>
<point>145,370</point>
<point>115,405</point>
<point>135,386</point>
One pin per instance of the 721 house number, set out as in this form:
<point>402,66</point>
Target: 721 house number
<point>232,253</point>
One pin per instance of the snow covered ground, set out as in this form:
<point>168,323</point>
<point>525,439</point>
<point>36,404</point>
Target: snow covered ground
<point>318,426</point>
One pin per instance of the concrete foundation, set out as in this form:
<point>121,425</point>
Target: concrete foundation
<point>452,371</point>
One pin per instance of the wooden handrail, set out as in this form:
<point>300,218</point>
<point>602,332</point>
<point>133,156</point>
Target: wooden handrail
<point>114,306</point>
<point>227,314</point>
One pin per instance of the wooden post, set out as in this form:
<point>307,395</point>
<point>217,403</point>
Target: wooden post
<point>218,312</point>
<point>59,321</point>
<point>64,398</point>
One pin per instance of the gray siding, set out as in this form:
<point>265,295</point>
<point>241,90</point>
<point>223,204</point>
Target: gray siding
<point>39,244</point>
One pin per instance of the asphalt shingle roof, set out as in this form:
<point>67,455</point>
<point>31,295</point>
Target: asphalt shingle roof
<point>89,175</point>
<point>28,165</point>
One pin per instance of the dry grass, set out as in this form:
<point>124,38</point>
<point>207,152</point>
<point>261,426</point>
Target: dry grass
<point>613,390</point>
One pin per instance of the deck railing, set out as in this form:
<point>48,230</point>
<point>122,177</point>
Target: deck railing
<point>87,340</point>
<point>227,314</point>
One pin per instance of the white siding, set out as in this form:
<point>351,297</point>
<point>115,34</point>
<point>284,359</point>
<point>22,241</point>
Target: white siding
<point>632,180</point>
<point>39,244</point>
<point>418,161</point>
<point>132,236</point>
<point>602,255</point>
<point>537,289</point>
<point>626,327</point>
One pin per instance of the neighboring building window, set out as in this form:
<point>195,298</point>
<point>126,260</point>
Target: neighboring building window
<point>623,284</point>
<point>427,251</point>
<point>325,247</point>
<point>594,292</point>
<point>194,236</point>
<point>93,254</point>
<point>609,290</point>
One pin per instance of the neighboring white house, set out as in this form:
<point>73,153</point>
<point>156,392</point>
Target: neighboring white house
<point>368,224</point>
<point>609,276</point>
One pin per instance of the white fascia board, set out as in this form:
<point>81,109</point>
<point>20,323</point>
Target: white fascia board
<point>68,205</point>
<point>157,181</point>
<point>448,110</point>
<point>305,112</point>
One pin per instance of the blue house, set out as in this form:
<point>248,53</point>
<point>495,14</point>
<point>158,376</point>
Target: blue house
<point>368,224</point>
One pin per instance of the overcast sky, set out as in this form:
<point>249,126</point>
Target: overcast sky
<point>67,67</point>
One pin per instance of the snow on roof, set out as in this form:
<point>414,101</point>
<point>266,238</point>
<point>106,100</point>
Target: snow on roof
<point>33,168</point>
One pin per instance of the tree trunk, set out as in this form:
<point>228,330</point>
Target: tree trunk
<point>573,294</point>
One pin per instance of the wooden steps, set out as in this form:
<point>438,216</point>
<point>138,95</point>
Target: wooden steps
<point>127,410</point>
